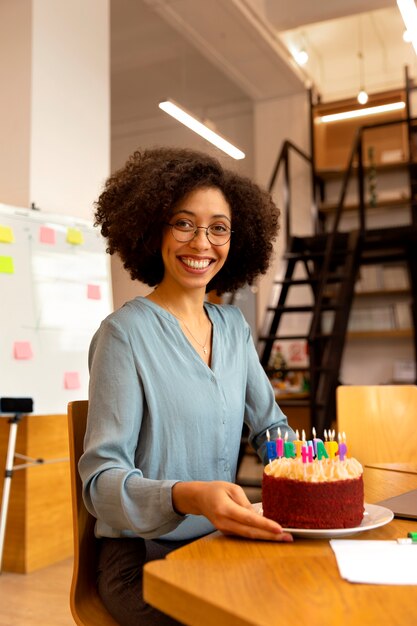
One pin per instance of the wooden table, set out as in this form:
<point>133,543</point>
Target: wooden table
<point>225,581</point>
<point>408,468</point>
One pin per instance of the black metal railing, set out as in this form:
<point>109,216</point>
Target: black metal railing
<point>283,160</point>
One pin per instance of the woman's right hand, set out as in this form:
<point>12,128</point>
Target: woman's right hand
<point>228,509</point>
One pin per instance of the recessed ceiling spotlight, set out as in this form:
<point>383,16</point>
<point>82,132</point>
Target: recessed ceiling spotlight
<point>408,12</point>
<point>406,36</point>
<point>301,57</point>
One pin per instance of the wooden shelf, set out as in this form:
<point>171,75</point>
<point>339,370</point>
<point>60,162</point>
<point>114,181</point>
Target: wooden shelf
<point>333,141</point>
<point>336,173</point>
<point>381,293</point>
<point>396,333</point>
<point>386,204</point>
<point>291,396</point>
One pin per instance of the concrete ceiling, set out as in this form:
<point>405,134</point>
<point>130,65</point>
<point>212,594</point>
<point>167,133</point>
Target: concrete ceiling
<point>218,54</point>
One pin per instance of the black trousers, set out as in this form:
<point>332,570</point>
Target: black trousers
<point>119,579</point>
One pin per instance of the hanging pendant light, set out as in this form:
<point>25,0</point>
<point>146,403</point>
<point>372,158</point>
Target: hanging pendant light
<point>362,96</point>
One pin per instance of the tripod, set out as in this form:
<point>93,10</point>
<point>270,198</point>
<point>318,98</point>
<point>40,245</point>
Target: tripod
<point>10,468</point>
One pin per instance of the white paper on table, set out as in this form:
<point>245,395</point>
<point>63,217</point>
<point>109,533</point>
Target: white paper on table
<point>376,562</point>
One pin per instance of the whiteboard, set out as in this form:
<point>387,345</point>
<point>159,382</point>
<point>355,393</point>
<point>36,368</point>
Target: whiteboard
<point>54,292</point>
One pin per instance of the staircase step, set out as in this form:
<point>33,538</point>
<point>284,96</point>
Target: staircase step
<point>309,281</point>
<point>306,255</point>
<point>286,337</point>
<point>297,368</point>
<point>303,308</point>
<point>318,242</point>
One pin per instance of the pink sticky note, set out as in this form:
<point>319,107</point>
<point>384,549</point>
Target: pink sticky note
<point>93,292</point>
<point>72,380</point>
<point>22,350</point>
<point>47,235</point>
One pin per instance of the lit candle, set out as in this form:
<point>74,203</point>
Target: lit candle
<point>271,449</point>
<point>303,446</point>
<point>331,446</point>
<point>289,449</point>
<point>321,451</point>
<point>297,444</point>
<point>342,448</point>
<point>280,444</point>
<point>315,441</point>
<point>326,440</point>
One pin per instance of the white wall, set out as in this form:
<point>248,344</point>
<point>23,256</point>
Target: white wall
<point>55,104</point>
<point>371,362</point>
<point>235,123</point>
<point>70,107</point>
<point>274,122</point>
<point>15,79</point>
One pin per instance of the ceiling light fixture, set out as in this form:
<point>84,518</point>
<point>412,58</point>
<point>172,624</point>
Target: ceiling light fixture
<point>406,36</point>
<point>201,129</point>
<point>345,115</point>
<point>299,50</point>
<point>408,11</point>
<point>301,56</point>
<point>362,97</point>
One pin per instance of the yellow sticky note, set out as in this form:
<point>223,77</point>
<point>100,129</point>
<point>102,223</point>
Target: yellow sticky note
<point>75,236</point>
<point>6,265</point>
<point>6,234</point>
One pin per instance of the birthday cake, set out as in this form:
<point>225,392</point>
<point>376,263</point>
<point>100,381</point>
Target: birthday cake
<point>313,490</point>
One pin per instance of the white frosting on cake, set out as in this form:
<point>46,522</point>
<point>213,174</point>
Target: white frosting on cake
<point>326,470</point>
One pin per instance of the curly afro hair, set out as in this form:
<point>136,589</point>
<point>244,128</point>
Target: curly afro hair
<point>139,198</point>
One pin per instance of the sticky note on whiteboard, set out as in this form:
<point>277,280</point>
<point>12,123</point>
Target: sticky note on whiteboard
<point>75,236</point>
<point>47,235</point>
<point>6,234</point>
<point>72,380</point>
<point>6,265</point>
<point>93,292</point>
<point>22,350</point>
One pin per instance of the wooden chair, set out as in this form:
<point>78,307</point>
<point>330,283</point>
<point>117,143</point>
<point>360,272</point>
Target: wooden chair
<point>86,606</point>
<point>379,421</point>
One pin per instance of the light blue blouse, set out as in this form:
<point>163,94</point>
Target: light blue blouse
<point>158,415</point>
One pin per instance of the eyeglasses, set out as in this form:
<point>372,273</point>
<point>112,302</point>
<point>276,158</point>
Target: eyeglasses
<point>184,230</point>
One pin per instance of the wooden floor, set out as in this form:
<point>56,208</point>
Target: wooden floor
<point>42,597</point>
<point>37,599</point>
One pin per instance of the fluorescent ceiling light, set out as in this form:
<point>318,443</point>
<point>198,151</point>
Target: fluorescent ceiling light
<point>408,11</point>
<point>191,122</point>
<point>346,115</point>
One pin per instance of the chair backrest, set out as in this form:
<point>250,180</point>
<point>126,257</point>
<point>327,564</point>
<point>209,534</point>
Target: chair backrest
<point>379,422</point>
<point>86,606</point>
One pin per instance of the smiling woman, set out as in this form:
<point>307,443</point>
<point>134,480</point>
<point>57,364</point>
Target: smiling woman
<point>173,378</point>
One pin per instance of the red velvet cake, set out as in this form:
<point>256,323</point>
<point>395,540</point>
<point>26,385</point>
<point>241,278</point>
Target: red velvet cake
<point>322,494</point>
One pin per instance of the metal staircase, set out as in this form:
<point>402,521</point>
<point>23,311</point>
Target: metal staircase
<point>329,263</point>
